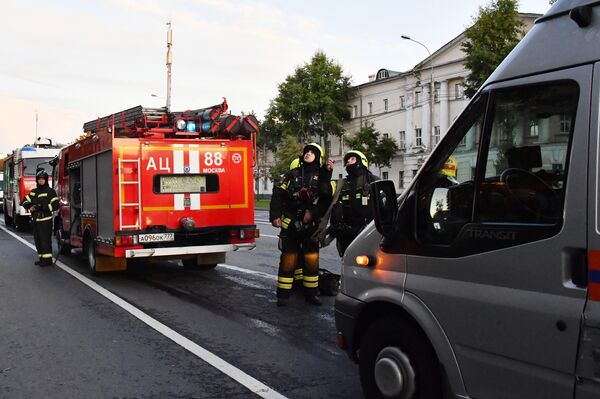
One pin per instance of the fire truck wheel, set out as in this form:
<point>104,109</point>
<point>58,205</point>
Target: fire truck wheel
<point>7,219</point>
<point>90,253</point>
<point>397,361</point>
<point>20,222</point>
<point>63,247</point>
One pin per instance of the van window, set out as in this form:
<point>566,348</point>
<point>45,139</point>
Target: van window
<point>520,176</point>
<point>527,155</point>
<point>445,200</point>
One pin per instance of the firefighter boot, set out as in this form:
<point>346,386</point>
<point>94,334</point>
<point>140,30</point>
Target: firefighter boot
<point>38,262</point>
<point>283,301</point>
<point>313,300</point>
<point>46,262</point>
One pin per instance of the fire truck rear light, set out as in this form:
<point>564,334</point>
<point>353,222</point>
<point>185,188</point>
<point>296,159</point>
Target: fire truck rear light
<point>126,240</point>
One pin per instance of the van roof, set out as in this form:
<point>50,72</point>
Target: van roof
<point>555,42</point>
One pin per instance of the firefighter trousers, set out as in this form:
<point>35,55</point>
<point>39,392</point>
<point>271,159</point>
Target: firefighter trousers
<point>294,245</point>
<point>42,236</point>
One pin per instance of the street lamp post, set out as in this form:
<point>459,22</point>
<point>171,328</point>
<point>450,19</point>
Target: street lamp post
<point>431,88</point>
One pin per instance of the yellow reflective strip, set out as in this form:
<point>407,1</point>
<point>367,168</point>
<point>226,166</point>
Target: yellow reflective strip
<point>43,219</point>
<point>310,285</point>
<point>283,186</point>
<point>27,198</point>
<point>43,195</point>
<point>285,279</point>
<point>32,194</point>
<point>345,197</point>
<point>50,207</point>
<point>285,222</point>
<point>298,277</point>
<point>54,199</point>
<point>358,195</point>
<point>298,271</point>
<point>311,278</point>
<point>284,286</point>
<point>45,255</point>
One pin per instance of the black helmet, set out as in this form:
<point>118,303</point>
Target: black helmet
<point>40,173</point>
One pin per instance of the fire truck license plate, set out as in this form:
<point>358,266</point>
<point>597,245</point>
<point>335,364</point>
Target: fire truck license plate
<point>156,237</point>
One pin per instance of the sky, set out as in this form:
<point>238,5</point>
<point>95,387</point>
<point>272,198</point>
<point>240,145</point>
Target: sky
<point>72,61</point>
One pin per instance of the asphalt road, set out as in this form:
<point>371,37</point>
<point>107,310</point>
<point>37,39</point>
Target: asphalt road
<point>192,334</point>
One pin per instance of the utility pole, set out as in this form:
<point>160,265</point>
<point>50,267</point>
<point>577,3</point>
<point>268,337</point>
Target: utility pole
<point>169,62</point>
<point>36,127</point>
<point>431,89</point>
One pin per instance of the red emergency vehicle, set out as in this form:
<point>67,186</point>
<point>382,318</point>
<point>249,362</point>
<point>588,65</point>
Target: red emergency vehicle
<point>149,183</point>
<point>19,178</point>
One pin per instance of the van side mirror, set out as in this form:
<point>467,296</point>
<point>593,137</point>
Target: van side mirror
<point>385,203</point>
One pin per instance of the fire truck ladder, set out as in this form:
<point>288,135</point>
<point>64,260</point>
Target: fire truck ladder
<point>122,203</point>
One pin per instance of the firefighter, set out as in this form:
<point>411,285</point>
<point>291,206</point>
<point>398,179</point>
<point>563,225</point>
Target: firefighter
<point>41,202</point>
<point>298,202</point>
<point>353,211</point>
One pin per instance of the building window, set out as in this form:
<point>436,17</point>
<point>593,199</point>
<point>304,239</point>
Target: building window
<point>385,175</point>
<point>401,179</point>
<point>340,176</point>
<point>417,97</point>
<point>533,128</point>
<point>370,105</point>
<point>436,135</point>
<point>565,124</point>
<point>458,91</point>
<point>265,184</point>
<point>415,172</point>
<point>402,135</point>
<point>385,104</point>
<point>355,111</point>
<point>386,135</point>
<point>418,137</point>
<point>402,104</point>
<point>383,74</point>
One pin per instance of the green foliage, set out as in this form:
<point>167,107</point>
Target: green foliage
<point>378,150</point>
<point>495,32</point>
<point>311,103</point>
<point>289,149</point>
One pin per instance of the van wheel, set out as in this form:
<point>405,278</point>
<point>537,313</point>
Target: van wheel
<point>90,253</point>
<point>397,361</point>
<point>63,247</point>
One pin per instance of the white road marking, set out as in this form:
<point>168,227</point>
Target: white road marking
<point>248,271</point>
<point>267,235</point>
<point>233,372</point>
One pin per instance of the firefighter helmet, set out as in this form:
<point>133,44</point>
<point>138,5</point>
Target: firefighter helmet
<point>314,147</point>
<point>360,157</point>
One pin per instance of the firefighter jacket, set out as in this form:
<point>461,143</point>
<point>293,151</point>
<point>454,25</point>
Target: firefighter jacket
<point>46,201</point>
<point>306,187</point>
<point>353,212</point>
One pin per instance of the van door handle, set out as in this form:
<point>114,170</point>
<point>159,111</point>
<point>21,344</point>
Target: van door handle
<point>575,266</point>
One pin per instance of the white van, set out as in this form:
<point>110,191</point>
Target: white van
<point>485,283</point>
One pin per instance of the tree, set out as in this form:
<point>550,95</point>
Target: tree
<point>290,148</point>
<point>495,32</point>
<point>378,150</point>
<point>311,103</point>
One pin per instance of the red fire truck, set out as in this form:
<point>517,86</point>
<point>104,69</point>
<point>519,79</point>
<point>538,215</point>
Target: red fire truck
<point>19,178</point>
<point>149,183</point>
